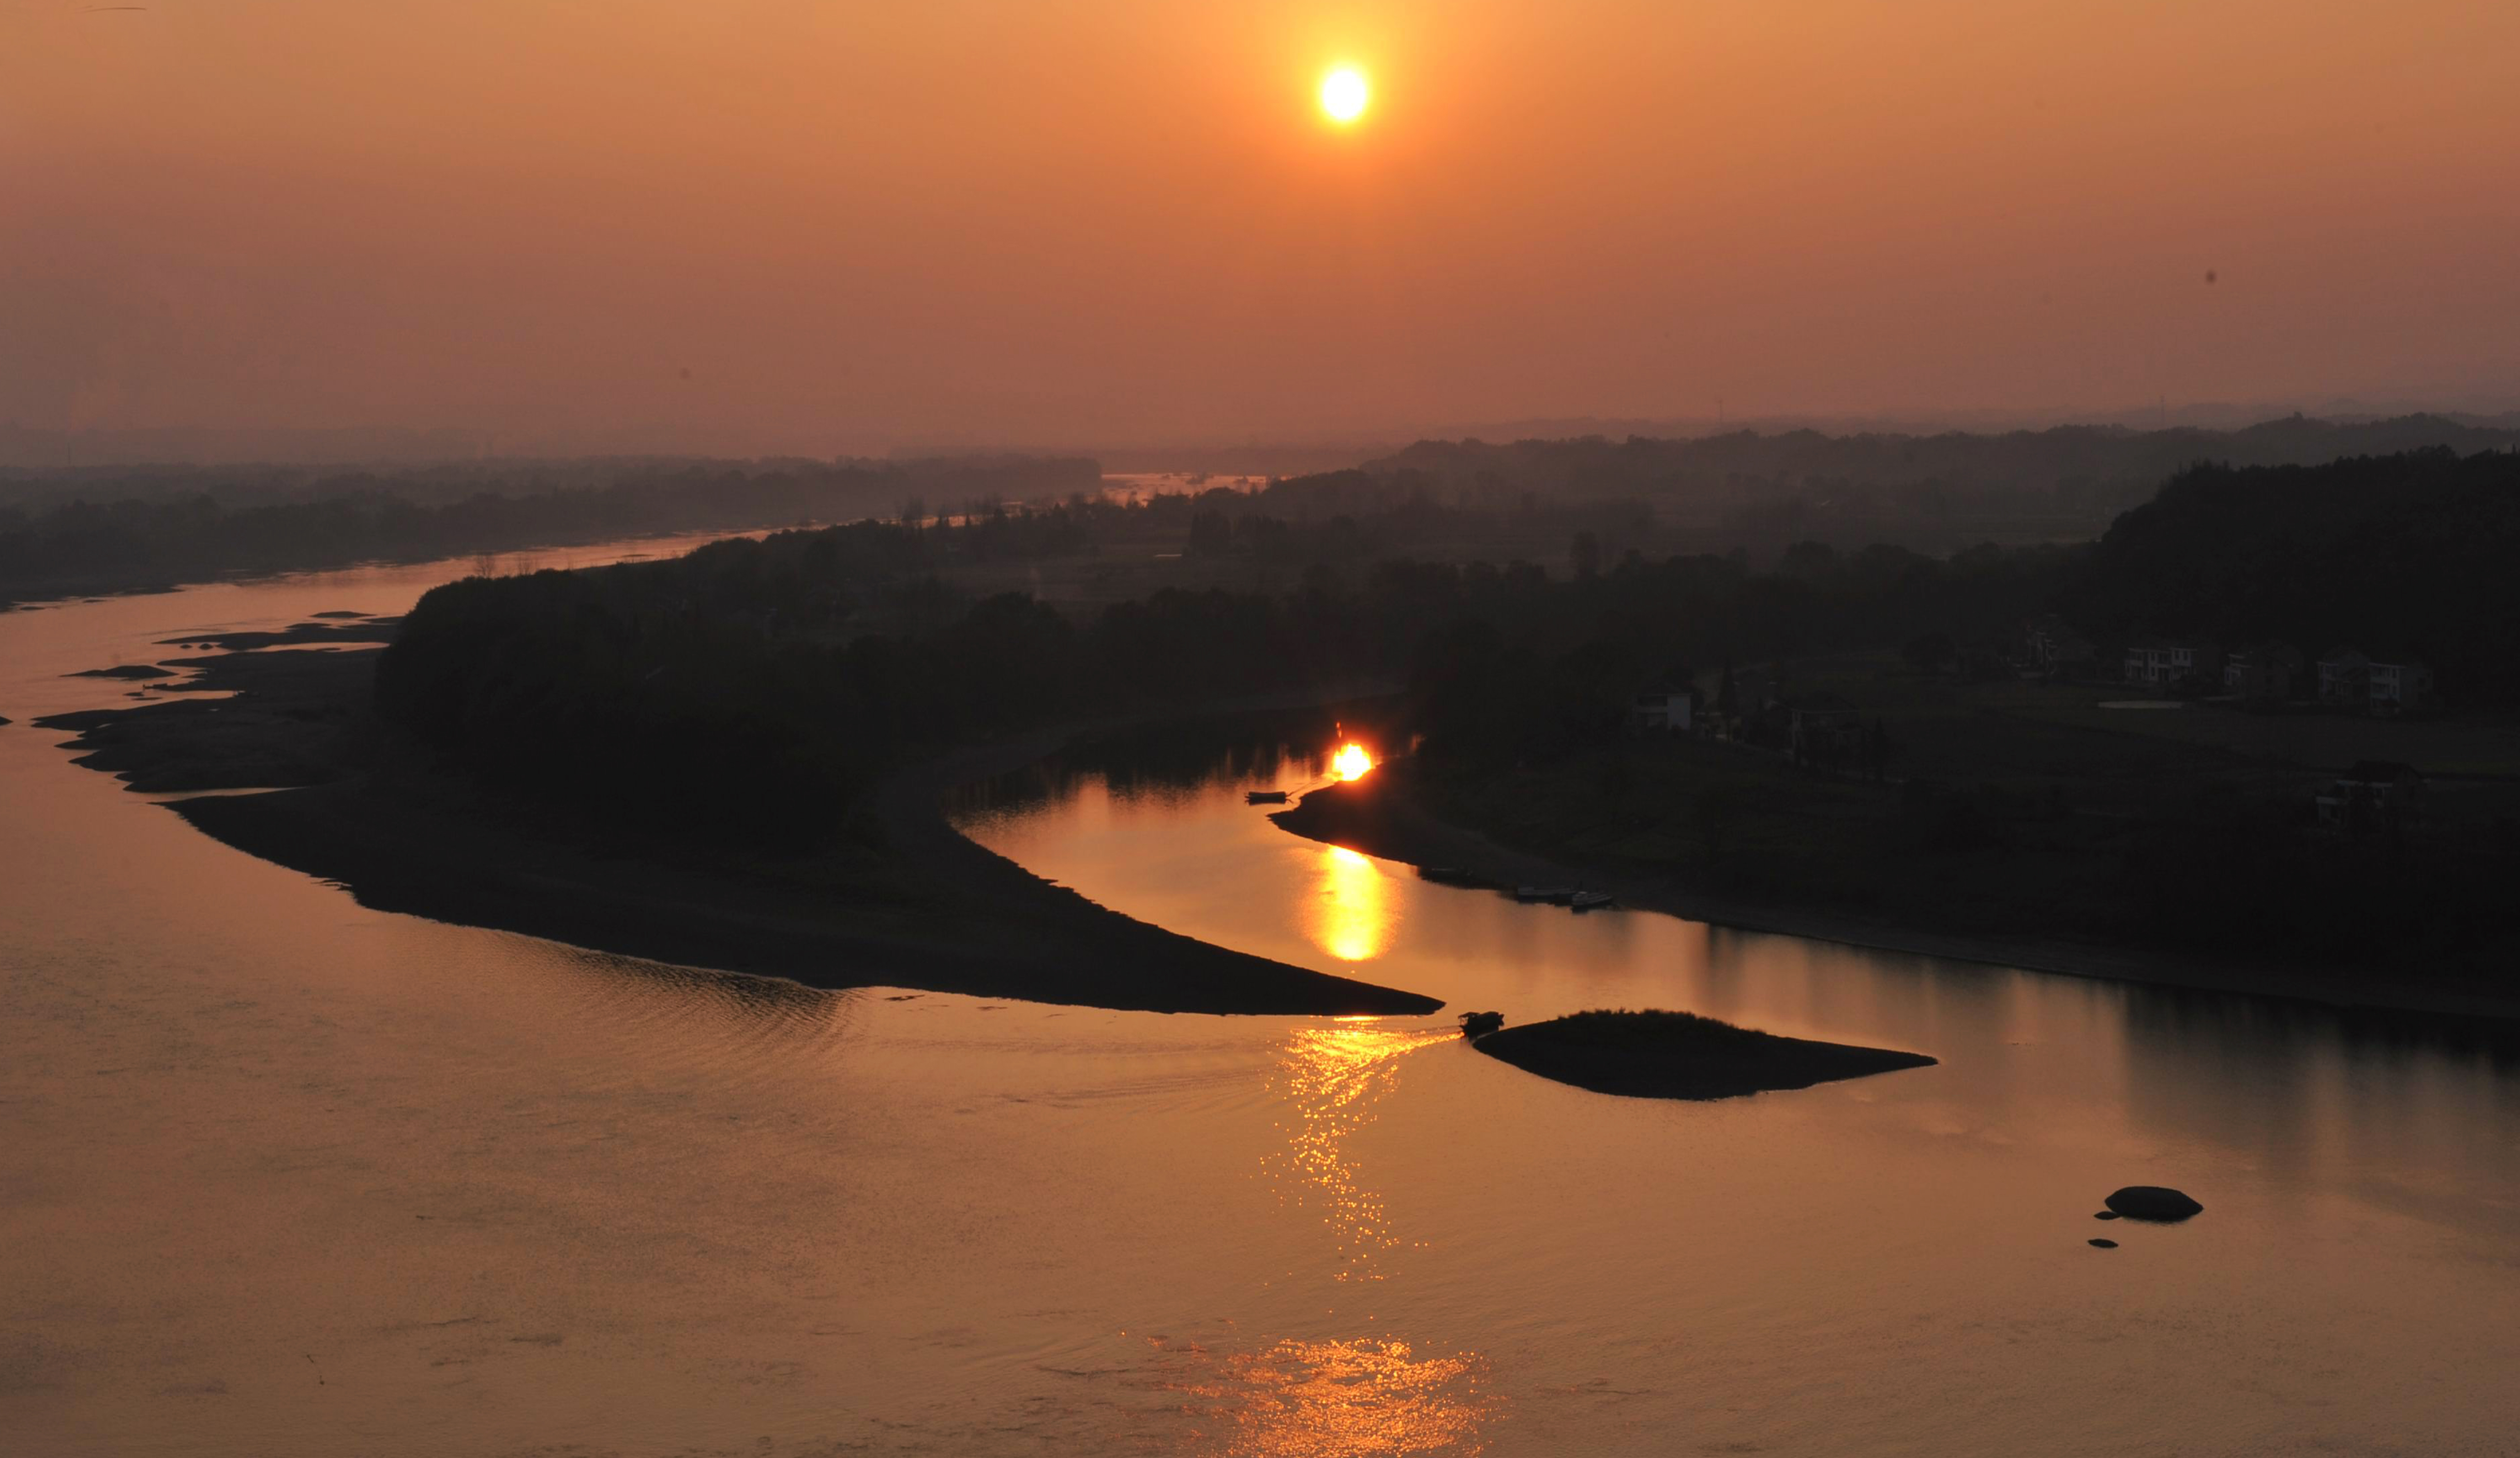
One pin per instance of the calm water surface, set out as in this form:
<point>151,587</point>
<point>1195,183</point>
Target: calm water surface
<point>283,1175</point>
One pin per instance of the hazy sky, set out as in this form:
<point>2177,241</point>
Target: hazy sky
<point>827,225</point>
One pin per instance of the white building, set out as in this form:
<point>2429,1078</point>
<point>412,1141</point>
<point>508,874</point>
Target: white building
<point>2400,686</point>
<point>2161,663</point>
<point>1664,705</point>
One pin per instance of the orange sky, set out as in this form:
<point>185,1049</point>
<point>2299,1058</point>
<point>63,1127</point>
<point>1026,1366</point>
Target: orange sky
<point>862,225</point>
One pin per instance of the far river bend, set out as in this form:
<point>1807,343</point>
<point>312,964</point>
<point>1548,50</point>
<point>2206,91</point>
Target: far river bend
<point>286,1176</point>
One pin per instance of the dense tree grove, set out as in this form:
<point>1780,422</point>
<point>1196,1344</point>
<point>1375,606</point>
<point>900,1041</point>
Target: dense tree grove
<point>750,689</point>
<point>2403,556</point>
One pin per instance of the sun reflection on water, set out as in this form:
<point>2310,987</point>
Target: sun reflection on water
<point>1333,1076</point>
<point>1353,911</point>
<point>1334,1400</point>
<point>1301,1397</point>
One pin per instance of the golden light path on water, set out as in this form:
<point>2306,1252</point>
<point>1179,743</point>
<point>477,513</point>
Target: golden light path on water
<point>1353,912</point>
<point>1300,1398</point>
<point>1331,1077</point>
<point>1336,1400</point>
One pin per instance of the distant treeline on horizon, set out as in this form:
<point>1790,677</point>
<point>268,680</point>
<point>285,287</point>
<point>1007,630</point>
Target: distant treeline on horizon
<point>2072,470</point>
<point>70,532</point>
<point>209,521</point>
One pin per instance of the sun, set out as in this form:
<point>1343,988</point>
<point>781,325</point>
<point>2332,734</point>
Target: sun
<point>1344,94</point>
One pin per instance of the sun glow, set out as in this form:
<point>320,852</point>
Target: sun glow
<point>1351,762</point>
<point>1344,94</point>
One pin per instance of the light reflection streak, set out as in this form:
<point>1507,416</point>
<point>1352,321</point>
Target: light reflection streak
<point>1333,1077</point>
<point>1339,1400</point>
<point>1334,1398</point>
<point>1353,911</point>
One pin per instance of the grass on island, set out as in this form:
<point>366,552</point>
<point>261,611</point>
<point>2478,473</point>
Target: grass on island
<point>1655,1053</point>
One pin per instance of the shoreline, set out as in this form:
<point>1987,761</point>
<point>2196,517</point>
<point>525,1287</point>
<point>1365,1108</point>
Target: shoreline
<point>1395,828</point>
<point>923,907</point>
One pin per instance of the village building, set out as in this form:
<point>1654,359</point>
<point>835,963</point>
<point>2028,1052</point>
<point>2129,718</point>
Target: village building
<point>2263,672</point>
<point>2351,679</point>
<point>1822,727</point>
<point>1665,705</point>
<point>1739,701</point>
<point>2344,677</point>
<point>2398,687</point>
<point>2162,662</point>
<point>2054,649</point>
<point>2373,793</point>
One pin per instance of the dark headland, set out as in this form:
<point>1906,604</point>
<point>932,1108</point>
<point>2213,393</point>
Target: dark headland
<point>909,903</point>
<point>1665,1055</point>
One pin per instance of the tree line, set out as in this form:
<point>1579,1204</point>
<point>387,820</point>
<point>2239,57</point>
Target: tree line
<point>751,690</point>
<point>2401,556</point>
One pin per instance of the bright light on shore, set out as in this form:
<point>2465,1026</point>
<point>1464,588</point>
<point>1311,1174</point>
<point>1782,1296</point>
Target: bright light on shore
<point>1351,762</point>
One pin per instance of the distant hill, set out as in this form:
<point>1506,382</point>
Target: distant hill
<point>2077,466</point>
<point>1938,494</point>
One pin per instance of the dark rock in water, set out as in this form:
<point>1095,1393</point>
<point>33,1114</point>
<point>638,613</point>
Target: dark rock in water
<point>2106,1215</point>
<point>2153,1203</point>
<point>2104,1244</point>
<point>1480,1024</point>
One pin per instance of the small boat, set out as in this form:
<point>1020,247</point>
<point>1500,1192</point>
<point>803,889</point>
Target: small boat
<point>1544,893</point>
<point>1586,900</point>
<point>1263,796</point>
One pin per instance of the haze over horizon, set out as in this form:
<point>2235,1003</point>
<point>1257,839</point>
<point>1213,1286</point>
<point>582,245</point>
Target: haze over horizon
<point>851,228</point>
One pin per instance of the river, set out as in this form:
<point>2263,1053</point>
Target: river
<point>286,1176</point>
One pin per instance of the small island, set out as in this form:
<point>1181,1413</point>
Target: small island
<point>1654,1054</point>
